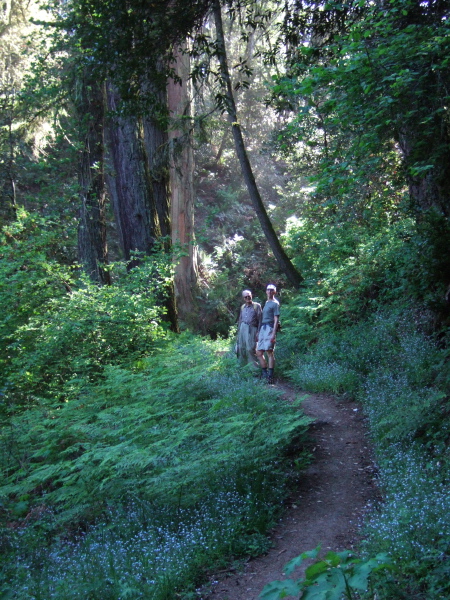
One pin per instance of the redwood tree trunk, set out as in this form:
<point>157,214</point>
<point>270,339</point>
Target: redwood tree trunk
<point>284,262</point>
<point>92,245</point>
<point>128,181</point>
<point>156,144</point>
<point>156,148</point>
<point>138,185</point>
<point>182,189</point>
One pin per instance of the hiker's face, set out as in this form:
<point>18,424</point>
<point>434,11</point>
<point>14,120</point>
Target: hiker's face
<point>270,294</point>
<point>248,298</point>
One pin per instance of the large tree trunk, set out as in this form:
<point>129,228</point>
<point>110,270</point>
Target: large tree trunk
<point>157,162</point>
<point>92,245</point>
<point>284,262</point>
<point>156,145</point>
<point>138,184</point>
<point>432,189</point>
<point>182,189</point>
<point>128,181</point>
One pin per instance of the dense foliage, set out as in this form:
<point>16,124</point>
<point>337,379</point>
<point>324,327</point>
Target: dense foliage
<point>133,460</point>
<point>368,90</point>
<point>60,329</point>
<point>180,458</point>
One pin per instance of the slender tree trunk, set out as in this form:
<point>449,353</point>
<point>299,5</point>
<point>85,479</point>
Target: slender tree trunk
<point>222,145</point>
<point>284,262</point>
<point>182,188</point>
<point>92,245</point>
<point>11,166</point>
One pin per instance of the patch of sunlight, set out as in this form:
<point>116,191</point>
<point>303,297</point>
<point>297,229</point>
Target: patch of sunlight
<point>235,239</point>
<point>294,222</point>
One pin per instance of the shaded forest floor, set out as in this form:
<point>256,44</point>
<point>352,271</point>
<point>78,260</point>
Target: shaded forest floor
<point>328,505</point>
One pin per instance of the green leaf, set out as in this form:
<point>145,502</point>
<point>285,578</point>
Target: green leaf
<point>298,560</point>
<point>313,571</point>
<point>328,586</point>
<point>280,589</point>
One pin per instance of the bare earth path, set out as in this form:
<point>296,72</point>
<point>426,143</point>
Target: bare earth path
<point>329,504</point>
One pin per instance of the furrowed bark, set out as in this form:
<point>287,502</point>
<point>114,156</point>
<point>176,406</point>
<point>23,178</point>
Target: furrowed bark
<point>127,180</point>
<point>92,245</point>
<point>138,186</point>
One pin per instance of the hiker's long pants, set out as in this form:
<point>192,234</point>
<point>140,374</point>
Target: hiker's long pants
<point>247,344</point>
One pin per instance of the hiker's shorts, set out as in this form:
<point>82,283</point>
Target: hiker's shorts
<point>265,337</point>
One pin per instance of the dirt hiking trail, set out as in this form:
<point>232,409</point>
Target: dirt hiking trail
<point>329,504</point>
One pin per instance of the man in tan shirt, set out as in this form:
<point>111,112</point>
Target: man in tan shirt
<point>248,326</point>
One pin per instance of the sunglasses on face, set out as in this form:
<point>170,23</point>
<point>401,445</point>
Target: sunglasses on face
<point>247,296</point>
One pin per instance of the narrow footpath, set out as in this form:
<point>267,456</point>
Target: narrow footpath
<point>329,505</point>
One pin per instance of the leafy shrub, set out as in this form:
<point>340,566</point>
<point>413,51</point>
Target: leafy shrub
<point>33,271</point>
<point>352,269</point>
<point>72,337</point>
<point>336,576</point>
<point>88,329</point>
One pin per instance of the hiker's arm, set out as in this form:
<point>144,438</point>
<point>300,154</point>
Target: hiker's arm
<point>275,325</point>
<point>259,314</point>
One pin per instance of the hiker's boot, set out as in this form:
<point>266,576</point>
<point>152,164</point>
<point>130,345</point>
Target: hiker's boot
<point>270,376</point>
<point>264,375</point>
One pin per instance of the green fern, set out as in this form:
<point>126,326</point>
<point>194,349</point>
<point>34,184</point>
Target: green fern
<point>171,430</point>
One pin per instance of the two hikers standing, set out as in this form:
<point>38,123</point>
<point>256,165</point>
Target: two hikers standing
<point>257,328</point>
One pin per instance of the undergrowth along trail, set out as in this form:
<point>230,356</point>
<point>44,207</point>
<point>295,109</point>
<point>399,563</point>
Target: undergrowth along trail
<point>327,507</point>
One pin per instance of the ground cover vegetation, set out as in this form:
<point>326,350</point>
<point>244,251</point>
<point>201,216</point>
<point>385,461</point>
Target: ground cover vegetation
<point>336,576</point>
<point>133,456</point>
<point>138,482</point>
<point>135,460</point>
<point>372,320</point>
